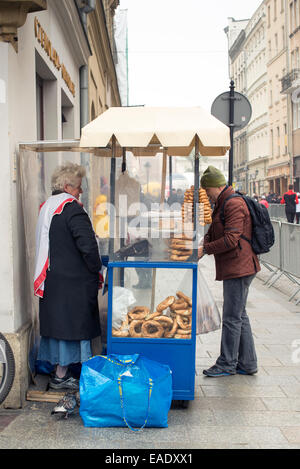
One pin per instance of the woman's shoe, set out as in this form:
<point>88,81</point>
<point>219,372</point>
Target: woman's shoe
<point>67,382</point>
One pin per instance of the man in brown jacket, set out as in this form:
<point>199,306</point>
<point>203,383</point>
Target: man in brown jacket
<point>236,265</point>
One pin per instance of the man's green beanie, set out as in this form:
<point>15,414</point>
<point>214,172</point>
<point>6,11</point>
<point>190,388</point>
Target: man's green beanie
<point>212,177</point>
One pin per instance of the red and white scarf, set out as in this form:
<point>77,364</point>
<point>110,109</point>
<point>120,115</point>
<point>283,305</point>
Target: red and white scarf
<point>53,206</point>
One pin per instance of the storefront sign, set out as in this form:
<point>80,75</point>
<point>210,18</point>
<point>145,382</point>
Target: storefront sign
<point>52,54</point>
<point>280,171</point>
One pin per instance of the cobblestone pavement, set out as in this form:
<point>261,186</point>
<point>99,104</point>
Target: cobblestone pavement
<point>261,411</point>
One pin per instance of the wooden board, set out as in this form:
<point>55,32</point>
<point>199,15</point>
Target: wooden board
<point>39,391</point>
<point>44,396</point>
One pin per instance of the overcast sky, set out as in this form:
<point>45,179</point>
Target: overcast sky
<point>178,49</point>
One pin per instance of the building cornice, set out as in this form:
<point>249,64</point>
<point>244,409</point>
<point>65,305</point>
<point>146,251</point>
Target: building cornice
<point>13,15</point>
<point>67,14</point>
<point>236,47</point>
<point>99,34</point>
<point>260,159</point>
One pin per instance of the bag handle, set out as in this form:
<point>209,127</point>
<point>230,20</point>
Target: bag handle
<point>123,406</point>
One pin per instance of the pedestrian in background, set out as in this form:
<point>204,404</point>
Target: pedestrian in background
<point>298,209</point>
<point>263,201</point>
<point>290,199</point>
<point>236,265</point>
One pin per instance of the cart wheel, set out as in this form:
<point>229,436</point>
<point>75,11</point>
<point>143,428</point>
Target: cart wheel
<point>180,404</point>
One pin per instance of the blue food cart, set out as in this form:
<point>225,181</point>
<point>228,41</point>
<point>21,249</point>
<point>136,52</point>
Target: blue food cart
<point>156,316</point>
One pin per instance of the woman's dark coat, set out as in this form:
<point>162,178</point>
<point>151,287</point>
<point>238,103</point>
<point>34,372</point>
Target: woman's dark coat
<point>69,308</point>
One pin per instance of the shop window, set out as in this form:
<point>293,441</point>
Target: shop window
<point>285,139</point>
<point>39,108</point>
<point>93,112</point>
<point>67,117</point>
<point>272,142</point>
<point>278,141</point>
<point>46,100</point>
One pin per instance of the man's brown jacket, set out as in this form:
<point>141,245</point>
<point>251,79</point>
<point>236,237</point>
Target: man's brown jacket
<point>234,256</point>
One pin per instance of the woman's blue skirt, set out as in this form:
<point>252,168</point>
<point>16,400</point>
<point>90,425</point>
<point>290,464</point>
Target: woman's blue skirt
<point>64,352</point>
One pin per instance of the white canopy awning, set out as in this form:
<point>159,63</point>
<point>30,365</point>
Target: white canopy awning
<point>144,130</point>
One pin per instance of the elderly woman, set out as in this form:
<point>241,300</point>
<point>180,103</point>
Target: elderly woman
<point>66,277</point>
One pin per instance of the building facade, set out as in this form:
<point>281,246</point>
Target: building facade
<point>290,86</point>
<point>247,67</point>
<point>279,126</point>
<point>48,56</point>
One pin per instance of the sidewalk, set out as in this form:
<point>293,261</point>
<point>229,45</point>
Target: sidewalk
<point>261,411</point>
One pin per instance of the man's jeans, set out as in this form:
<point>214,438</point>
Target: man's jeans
<point>237,345</point>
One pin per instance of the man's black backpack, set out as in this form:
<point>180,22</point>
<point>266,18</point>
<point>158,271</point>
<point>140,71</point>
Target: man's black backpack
<point>263,236</point>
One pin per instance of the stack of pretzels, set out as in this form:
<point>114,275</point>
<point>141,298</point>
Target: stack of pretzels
<point>187,210</point>
<point>204,208</point>
<point>172,319</point>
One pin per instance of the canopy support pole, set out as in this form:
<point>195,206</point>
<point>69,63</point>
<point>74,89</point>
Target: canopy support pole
<point>112,198</point>
<point>122,220</point>
<point>196,197</point>
<point>170,175</point>
<point>163,178</point>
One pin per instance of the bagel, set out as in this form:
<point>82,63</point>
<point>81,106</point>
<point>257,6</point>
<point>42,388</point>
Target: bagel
<point>184,322</point>
<point>139,312</point>
<point>182,336</point>
<point>135,328</point>
<point>169,334</point>
<point>152,329</point>
<point>152,316</point>
<point>165,320</point>
<point>180,253</point>
<point>179,258</point>
<point>120,332</point>
<point>183,331</point>
<point>164,304</point>
<point>179,304</point>
<point>186,298</point>
<point>184,312</point>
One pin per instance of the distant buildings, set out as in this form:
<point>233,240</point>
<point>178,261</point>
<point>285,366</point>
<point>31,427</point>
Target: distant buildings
<point>264,64</point>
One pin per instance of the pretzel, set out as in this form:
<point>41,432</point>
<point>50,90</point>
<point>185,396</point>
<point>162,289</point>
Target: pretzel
<point>139,312</point>
<point>135,328</point>
<point>167,302</point>
<point>186,298</point>
<point>184,331</point>
<point>184,322</point>
<point>152,329</point>
<point>184,312</point>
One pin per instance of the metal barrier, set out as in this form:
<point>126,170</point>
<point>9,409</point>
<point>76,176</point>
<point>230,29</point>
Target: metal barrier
<point>277,211</point>
<point>284,256</point>
<point>273,257</point>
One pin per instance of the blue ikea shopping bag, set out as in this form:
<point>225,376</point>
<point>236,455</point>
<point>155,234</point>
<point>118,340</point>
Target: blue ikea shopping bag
<point>125,390</point>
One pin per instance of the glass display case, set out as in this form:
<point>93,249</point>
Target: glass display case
<point>153,312</point>
<point>152,303</point>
